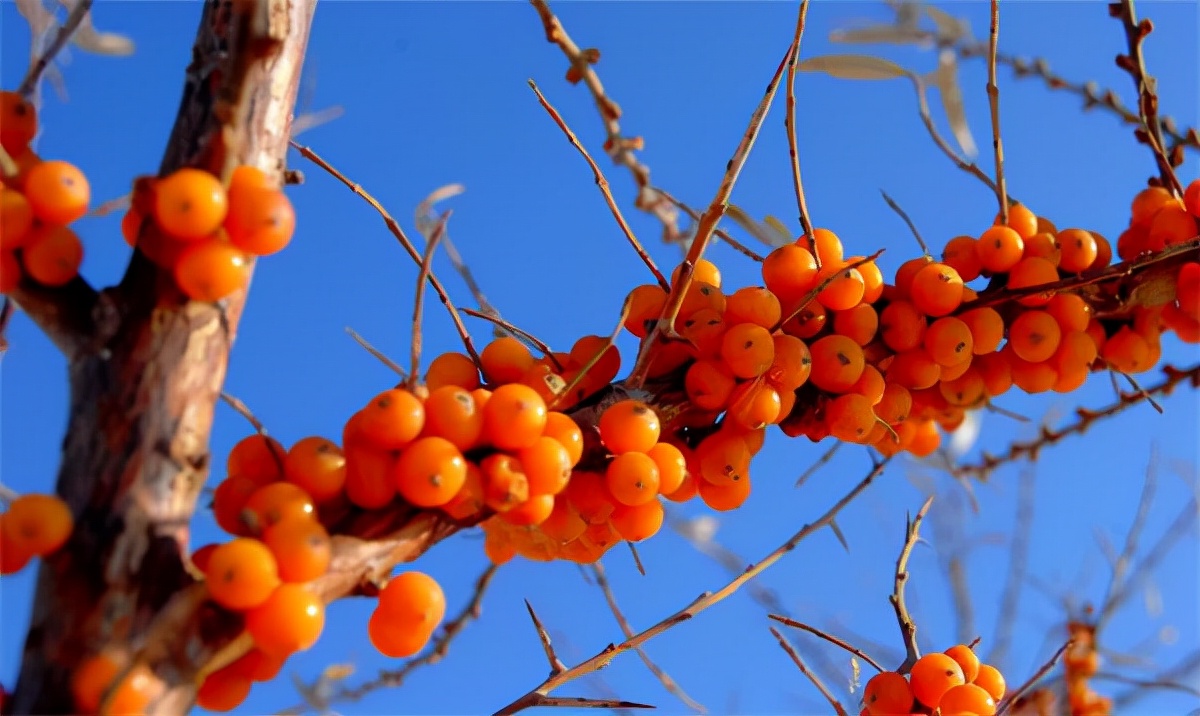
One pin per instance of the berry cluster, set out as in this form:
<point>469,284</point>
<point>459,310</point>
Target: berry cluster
<point>1080,663</point>
<point>37,204</point>
<point>206,234</point>
<point>952,683</point>
<point>33,526</point>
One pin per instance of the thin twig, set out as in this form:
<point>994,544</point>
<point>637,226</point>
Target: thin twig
<point>377,353</point>
<point>908,221</point>
<point>556,665</point>
<point>244,410</point>
<point>791,651</point>
<point>908,629</point>
<point>829,638</point>
<point>604,189</point>
<point>821,461</point>
<point>789,122</point>
<point>68,28</point>
<point>405,242</point>
<point>1182,524</point>
<point>993,91</point>
<point>518,332</point>
<point>1045,668</point>
<point>419,300</point>
<point>583,371</point>
<point>668,683</point>
<point>720,233</point>
<point>538,696</point>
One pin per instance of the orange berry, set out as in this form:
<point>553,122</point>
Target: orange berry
<point>754,405</point>
<point>704,329</point>
<point>568,434</point>
<point>1191,198</point>
<point>936,290</point>
<point>901,326</point>
<point>505,360</point>
<point>837,363</point>
<point>260,221</point>
<point>1104,252</point>
<point>914,370</point>
<point>638,522</point>
<point>646,303</point>
<point>53,255</point>
<point>564,524</point>
<point>753,304</point>
<point>827,247</point>
<point>392,419</point>
<point>190,204</point>
<point>709,384</point>
<point>257,457</point>
<point>604,368</point>
<point>57,191</point>
<point>629,426</point>
<point>229,499</point>
<point>1187,288</point>
<point>16,220</point>
<point>1171,225</point>
<point>850,417</point>
<point>588,494</point>
<point>870,384</point>
<point>1078,250</point>
<point>894,405</point>
<point>1021,219</point>
<point>1147,202</point>
<point>748,350</point>
<point>301,547</point>
<point>10,272</point>
<point>223,690</point>
<point>451,413</point>
<point>723,458</point>
<point>872,278</point>
<point>672,467</point>
<point>317,466</point>
<point>1034,336</point>
<point>703,270</point>
<point>504,482</point>
<point>632,478</point>
<point>887,693</point>
<point>1126,351</point>
<point>452,369</point>
<point>999,249</point>
<point>430,471</point>
<point>859,323</point>
<point>961,255</point>
<point>469,500</point>
<point>806,322</point>
<point>1070,311</point>
<point>92,680</point>
<point>995,371</point>
<point>907,272</point>
<point>514,417</point>
<point>792,364</point>
<point>369,482</point>
<point>290,620</point>
<point>991,680</point>
<point>789,272</point>
<point>547,466</point>
<point>18,122</point>
<point>12,558</point>
<point>275,502</point>
<point>131,227</point>
<point>949,341</point>
<point>987,329</point>
<point>845,287</point>
<point>1030,377</point>
<point>532,512</point>
<point>932,676</point>
<point>210,270</point>
<point>965,390</point>
<point>413,600</point>
<point>1043,246</point>
<point>241,574</point>
<point>397,641</point>
<point>1031,272</point>
<point>38,524</point>
<point>201,556</point>
<point>967,699</point>
<point>967,661</point>
<point>724,498</point>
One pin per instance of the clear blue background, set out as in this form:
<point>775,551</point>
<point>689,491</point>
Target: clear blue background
<point>436,93</point>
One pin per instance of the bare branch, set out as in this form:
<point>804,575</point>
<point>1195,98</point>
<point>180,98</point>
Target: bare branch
<point>68,28</point>
<point>556,665</point>
<point>789,122</point>
<point>419,302</point>
<point>377,353</point>
<point>909,222</point>
<point>993,91</point>
<point>908,629</point>
<point>1014,694</point>
<point>829,638</point>
<point>791,651</point>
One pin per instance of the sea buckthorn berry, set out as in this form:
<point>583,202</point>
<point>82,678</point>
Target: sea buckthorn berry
<point>469,500</point>
<point>505,360</point>
<point>699,296</point>
<point>936,290</point>
<point>451,413</point>
<point>430,472</point>
<point>392,419</point>
<point>201,556</point>
<point>92,679</point>
<point>723,498</point>
<point>1104,252</point>
<point>870,384</point>
<point>1126,351</point>
<point>568,434</point>
<point>413,600</point>
<point>563,525</point>
<point>57,191</point>
<point>16,220</point>
<point>452,369</point>
<point>995,371</point>
<point>504,482</point>
<point>709,384</point>
<point>632,478</point>
<point>604,368</point>
<point>703,270</point>
<point>1147,202</point>
<point>276,502</point>
<point>748,350</point>
<point>837,363</point>
<point>1043,246</point>
<point>672,467</point>
<point>260,221</point>
<point>967,661</point>
<point>792,364</point>
<point>1187,288</point>
<point>850,417</point>
<point>827,247</point>
<point>229,499</point>
<point>987,329</point>
<point>398,641</point>
<point>914,370</point>
<point>872,278</point>
<point>1031,272</point>
<point>257,457</point>
<point>530,513</point>
<point>859,323</point>
<point>1078,250</point>
<point>999,249</point>
<point>789,272</point>
<point>907,272</point>
<point>290,620</point>
<point>241,574</point>
<point>845,287</point>
<point>723,458</point>
<point>53,255</point>
<point>131,227</point>
<point>967,699</point>
<point>209,270</point>
<point>18,122</point>
<point>1021,219</point>
<point>887,693</point>
<point>547,466</point>
<point>629,426</point>
<point>754,405</point>
<point>638,522</point>
<point>1070,311</point>
<point>1034,336</point>
<point>704,330</point>
<point>894,405</point>
<point>963,391</point>
<point>806,322</point>
<point>1028,376</point>
<point>932,676</point>
<point>1170,226</point>
<point>190,204</point>
<point>645,303</point>
<point>317,466</point>
<point>753,304</point>
<point>949,341</point>
<point>38,524</point>
<point>961,255</point>
<point>901,326</point>
<point>223,690</point>
<point>514,417</point>
<point>991,680</point>
<point>301,547</point>
<point>1191,198</point>
<point>588,494</point>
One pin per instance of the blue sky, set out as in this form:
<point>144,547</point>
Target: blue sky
<point>436,93</point>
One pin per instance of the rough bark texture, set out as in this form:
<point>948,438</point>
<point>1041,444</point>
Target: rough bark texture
<point>146,368</point>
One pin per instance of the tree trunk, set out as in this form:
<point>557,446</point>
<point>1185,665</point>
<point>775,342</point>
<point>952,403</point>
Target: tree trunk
<point>146,368</point>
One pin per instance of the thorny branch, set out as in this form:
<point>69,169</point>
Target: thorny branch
<point>68,28</point>
<point>1014,694</point>
<point>806,225</point>
<point>993,92</point>
<point>540,694</point>
<point>908,628</point>
<point>791,651</point>
<point>1085,418</point>
<point>837,641</point>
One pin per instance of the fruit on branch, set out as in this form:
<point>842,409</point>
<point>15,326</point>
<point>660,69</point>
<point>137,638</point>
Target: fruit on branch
<point>32,526</point>
<point>952,683</point>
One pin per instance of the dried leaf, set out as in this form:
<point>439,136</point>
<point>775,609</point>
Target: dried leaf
<point>312,120</point>
<point>949,28</point>
<point>763,233</point>
<point>89,39</point>
<point>854,67</point>
<point>945,78</point>
<point>882,35</point>
<point>785,236</point>
<point>855,674</point>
